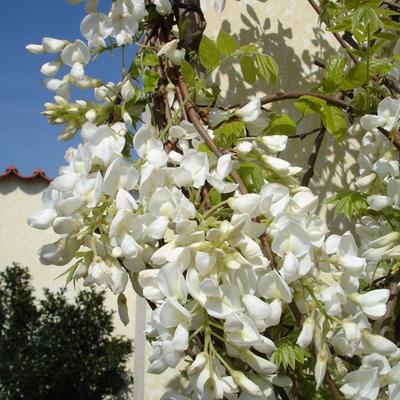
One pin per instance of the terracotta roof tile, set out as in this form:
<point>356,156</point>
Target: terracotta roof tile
<point>37,173</point>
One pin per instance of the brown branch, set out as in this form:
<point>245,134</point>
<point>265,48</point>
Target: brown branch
<point>389,316</point>
<point>195,119</point>
<point>332,386</point>
<point>391,4</point>
<point>387,134</point>
<point>295,95</point>
<point>348,38</point>
<point>319,64</point>
<point>312,159</point>
<point>180,100</point>
<point>304,135</point>
<point>281,392</point>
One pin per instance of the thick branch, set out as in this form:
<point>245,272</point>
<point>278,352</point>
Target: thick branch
<point>195,119</point>
<point>271,98</point>
<point>391,4</point>
<point>312,159</point>
<point>332,387</point>
<point>395,141</point>
<point>387,321</point>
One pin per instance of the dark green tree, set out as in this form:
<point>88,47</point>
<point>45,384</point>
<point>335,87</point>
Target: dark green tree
<point>55,349</point>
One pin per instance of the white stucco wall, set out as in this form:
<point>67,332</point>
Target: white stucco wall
<point>20,243</point>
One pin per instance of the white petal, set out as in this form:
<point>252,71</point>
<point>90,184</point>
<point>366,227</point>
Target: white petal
<point>42,219</point>
<point>378,202</point>
<point>224,166</point>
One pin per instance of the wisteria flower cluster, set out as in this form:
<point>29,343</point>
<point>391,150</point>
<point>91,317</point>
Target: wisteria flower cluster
<point>251,292</point>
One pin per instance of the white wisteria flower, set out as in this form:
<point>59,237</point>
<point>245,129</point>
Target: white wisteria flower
<point>171,51</point>
<point>388,115</point>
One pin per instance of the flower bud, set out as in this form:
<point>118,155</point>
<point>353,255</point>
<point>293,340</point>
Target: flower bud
<point>274,143</point>
<point>60,100</point>
<point>128,91</point>
<point>91,115</point>
<point>259,364</point>
<point>351,331</point>
<point>51,68</point>
<point>42,219</point>
<point>364,181</point>
<point>376,344</point>
<point>81,271</point>
<point>65,225</point>
<point>35,48</point>
<point>246,384</point>
<point>320,365</point>
<point>123,309</point>
<point>51,45</point>
<point>307,333</point>
<point>385,240</point>
<point>250,112</point>
<point>378,202</point>
<point>244,147</point>
<point>372,303</point>
<point>394,252</point>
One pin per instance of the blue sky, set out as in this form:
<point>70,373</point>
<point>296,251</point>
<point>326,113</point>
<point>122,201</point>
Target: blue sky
<point>27,141</point>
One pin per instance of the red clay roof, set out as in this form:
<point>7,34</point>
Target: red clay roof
<point>37,173</point>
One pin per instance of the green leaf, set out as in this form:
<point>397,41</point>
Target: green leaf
<point>351,204</point>
<point>227,45</point>
<point>150,60</point>
<point>333,74</point>
<point>188,73</point>
<point>215,197</point>
<point>390,24</point>
<point>365,19</point>
<point>208,53</point>
<point>249,48</point>
<point>203,148</point>
<point>287,354</point>
<point>344,25</point>
<point>334,120</point>
<point>267,68</point>
<point>309,104</point>
<point>70,272</point>
<point>248,69</point>
<point>150,81</point>
<point>357,76</point>
<point>281,124</point>
<point>252,176</point>
<point>227,134</point>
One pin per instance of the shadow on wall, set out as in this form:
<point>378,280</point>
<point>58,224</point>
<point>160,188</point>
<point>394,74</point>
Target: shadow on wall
<point>11,183</point>
<point>336,164</point>
<point>176,385</point>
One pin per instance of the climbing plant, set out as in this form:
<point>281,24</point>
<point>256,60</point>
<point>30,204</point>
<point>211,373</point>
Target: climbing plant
<point>251,293</point>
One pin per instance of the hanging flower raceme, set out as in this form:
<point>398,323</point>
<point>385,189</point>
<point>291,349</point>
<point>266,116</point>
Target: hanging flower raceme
<point>199,208</point>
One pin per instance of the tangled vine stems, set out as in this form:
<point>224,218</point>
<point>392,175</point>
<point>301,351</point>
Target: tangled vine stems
<point>190,113</point>
<point>195,119</point>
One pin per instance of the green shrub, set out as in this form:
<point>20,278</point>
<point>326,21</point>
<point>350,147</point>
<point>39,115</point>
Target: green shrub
<point>55,349</point>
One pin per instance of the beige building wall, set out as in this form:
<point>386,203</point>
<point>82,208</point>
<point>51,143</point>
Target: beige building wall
<point>20,243</point>
<point>289,31</point>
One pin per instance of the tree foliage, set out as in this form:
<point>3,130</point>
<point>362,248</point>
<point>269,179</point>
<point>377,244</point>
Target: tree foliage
<point>54,349</point>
